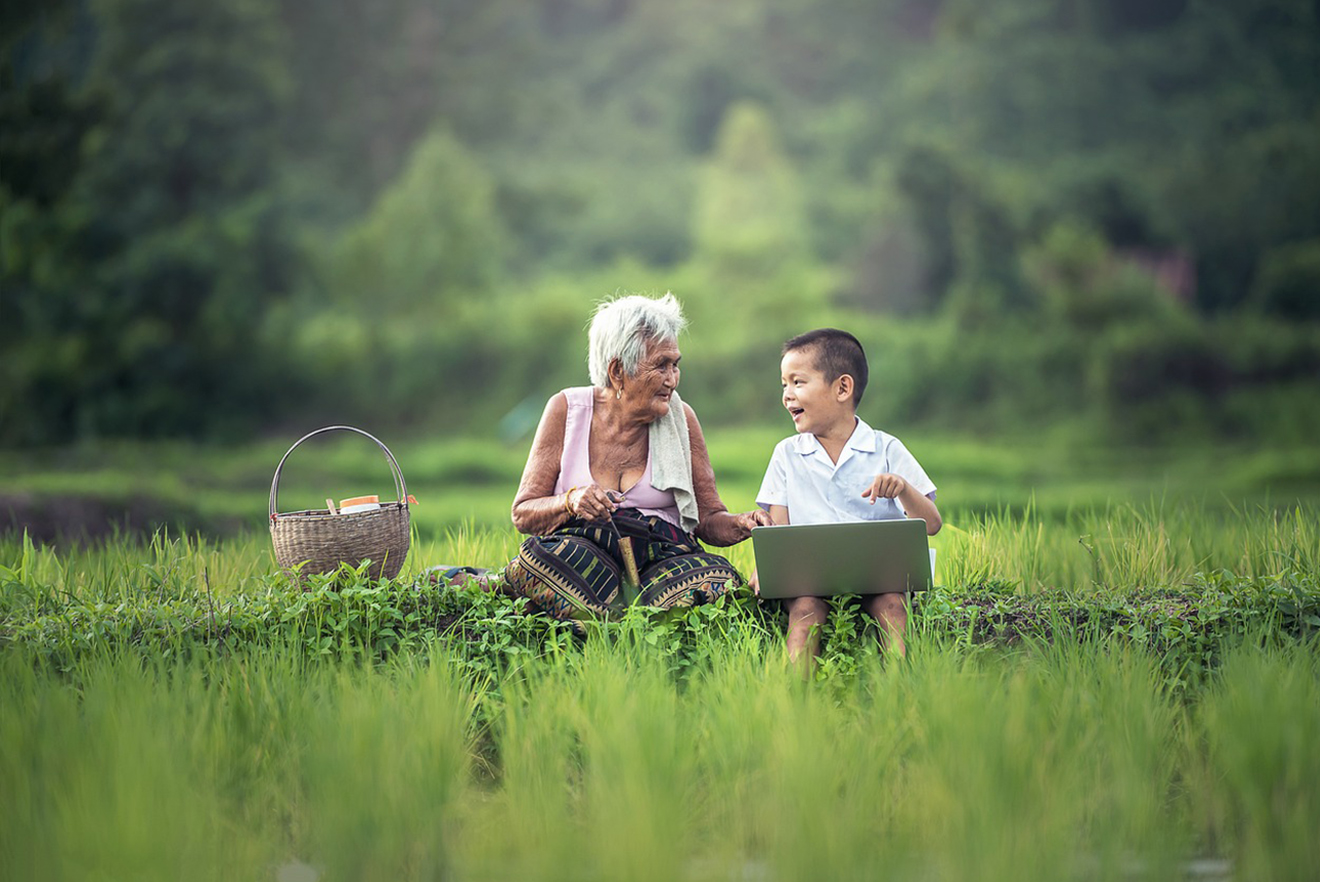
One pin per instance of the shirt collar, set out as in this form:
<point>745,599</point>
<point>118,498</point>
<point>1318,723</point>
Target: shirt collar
<point>862,439</point>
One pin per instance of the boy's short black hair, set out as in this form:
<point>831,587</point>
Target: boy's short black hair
<point>836,353</point>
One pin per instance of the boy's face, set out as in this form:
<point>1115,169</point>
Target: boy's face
<point>815,404</point>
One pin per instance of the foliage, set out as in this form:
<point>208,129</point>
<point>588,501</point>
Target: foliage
<point>1254,698</point>
<point>1057,99</point>
<point>463,178</point>
<point>234,763</point>
<point>1288,280</point>
<point>749,215</point>
<point>432,236</point>
<point>1085,286</point>
<point>136,293</point>
<point>1196,366</point>
<point>372,83</point>
<point>182,704</point>
<point>161,608</point>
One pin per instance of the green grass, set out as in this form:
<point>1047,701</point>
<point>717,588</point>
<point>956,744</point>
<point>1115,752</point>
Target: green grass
<point>1120,547</point>
<point>1118,675</point>
<point>1127,545</point>
<point>1038,763</point>
<point>472,480</point>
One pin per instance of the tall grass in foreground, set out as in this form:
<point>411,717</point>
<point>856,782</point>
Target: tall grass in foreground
<point>1261,727</point>
<point>167,740</point>
<point>1065,762</point>
<point>223,771</point>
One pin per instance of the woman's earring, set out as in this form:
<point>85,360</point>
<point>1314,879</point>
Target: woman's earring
<point>618,393</point>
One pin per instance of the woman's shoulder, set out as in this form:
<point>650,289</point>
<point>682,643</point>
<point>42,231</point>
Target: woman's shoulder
<point>574,396</point>
<point>577,396</point>
<point>693,424</point>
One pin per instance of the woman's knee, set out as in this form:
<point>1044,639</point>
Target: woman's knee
<point>561,575</point>
<point>687,580</point>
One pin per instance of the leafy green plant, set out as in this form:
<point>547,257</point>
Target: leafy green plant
<point>400,729</point>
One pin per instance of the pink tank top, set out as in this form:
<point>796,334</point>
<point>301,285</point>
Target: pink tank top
<point>575,464</point>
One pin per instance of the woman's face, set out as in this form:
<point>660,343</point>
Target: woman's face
<point>657,377</point>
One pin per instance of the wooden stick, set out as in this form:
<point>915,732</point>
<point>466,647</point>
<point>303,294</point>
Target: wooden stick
<point>632,579</point>
<point>630,568</point>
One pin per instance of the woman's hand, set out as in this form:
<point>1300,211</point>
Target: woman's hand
<point>740,525</point>
<point>756,518</point>
<point>592,502</point>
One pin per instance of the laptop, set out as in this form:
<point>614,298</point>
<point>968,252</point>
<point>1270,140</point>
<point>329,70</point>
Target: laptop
<point>821,560</point>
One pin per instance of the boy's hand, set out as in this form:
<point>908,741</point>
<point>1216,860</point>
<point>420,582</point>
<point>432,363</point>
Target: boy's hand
<point>884,486</point>
<point>755,583</point>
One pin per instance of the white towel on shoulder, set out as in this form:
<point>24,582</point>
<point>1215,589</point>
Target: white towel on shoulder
<point>671,460</point>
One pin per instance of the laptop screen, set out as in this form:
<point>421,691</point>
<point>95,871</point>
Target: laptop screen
<point>822,560</point>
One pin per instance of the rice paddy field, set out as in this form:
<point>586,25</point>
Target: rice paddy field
<point>1117,677</point>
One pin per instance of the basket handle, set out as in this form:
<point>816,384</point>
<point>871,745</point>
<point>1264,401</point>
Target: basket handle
<point>399,486</point>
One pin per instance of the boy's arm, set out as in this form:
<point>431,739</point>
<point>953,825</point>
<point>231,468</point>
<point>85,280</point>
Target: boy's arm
<point>915,504</point>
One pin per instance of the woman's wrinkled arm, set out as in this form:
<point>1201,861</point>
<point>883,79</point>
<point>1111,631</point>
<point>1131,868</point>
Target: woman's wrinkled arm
<point>536,509</point>
<point>716,525</point>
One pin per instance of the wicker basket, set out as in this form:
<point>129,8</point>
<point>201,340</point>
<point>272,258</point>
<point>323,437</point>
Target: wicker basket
<point>321,541</point>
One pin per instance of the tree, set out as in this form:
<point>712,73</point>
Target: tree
<point>433,235</point>
<point>1198,116</point>
<point>752,270</point>
<point>151,273</point>
<point>749,208</point>
<point>372,79</point>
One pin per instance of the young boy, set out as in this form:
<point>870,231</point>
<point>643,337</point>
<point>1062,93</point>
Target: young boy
<point>837,468</point>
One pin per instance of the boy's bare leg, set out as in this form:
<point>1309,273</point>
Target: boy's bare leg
<point>891,612</point>
<point>806,618</point>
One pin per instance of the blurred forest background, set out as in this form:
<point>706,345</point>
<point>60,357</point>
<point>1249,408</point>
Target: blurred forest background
<point>221,219</point>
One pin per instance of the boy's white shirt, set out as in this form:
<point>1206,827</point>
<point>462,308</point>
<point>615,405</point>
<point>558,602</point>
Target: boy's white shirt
<point>817,491</point>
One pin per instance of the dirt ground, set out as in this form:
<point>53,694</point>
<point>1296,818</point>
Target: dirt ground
<point>59,520</point>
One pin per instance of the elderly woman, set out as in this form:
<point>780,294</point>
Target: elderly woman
<point>618,485</point>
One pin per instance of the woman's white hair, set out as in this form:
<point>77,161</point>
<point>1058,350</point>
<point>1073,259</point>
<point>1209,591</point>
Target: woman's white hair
<point>621,327</point>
